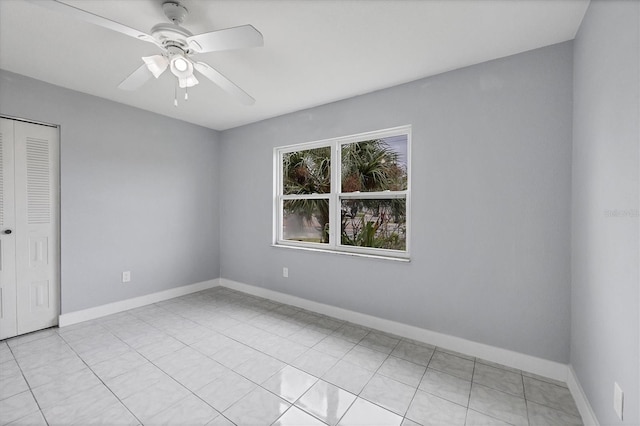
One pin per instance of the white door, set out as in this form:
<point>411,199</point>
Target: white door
<point>29,253</point>
<point>8,306</point>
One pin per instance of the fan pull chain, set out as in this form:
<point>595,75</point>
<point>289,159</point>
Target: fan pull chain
<point>175,95</point>
<point>186,93</point>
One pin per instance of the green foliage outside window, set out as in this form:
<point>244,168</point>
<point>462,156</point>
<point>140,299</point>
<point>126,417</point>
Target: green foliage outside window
<point>366,166</point>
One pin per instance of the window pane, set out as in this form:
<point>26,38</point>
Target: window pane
<point>374,223</point>
<point>306,220</point>
<point>307,172</point>
<point>375,165</point>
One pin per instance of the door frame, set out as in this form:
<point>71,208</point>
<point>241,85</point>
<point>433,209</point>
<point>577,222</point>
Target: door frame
<point>57,206</point>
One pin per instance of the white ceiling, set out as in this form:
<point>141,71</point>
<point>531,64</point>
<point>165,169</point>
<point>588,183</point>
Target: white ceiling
<point>315,52</point>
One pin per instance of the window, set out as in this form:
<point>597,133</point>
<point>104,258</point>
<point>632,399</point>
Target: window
<point>348,194</point>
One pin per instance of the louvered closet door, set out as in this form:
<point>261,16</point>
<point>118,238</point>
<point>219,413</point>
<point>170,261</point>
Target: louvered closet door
<point>35,232</point>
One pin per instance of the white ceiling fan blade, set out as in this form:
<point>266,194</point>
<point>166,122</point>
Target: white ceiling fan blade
<point>156,64</point>
<point>136,79</point>
<point>224,83</point>
<point>230,38</point>
<point>94,19</point>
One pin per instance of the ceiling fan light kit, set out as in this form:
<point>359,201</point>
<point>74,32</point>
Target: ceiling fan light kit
<point>181,67</point>
<point>177,45</point>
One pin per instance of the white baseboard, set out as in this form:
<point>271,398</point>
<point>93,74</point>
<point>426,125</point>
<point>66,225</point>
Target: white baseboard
<point>136,302</point>
<point>542,367</point>
<point>588,416</point>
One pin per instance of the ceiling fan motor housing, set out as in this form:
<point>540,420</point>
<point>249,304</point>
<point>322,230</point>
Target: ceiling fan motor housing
<point>171,35</point>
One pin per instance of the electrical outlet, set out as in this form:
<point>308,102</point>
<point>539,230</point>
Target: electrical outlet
<point>126,276</point>
<point>285,272</point>
<point>618,400</point>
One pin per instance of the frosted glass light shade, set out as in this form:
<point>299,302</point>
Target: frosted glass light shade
<point>156,64</point>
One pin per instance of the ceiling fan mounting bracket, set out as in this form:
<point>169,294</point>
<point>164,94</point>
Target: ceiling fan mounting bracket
<point>175,12</point>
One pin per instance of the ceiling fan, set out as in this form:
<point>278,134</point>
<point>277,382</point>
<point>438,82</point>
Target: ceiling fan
<point>177,45</point>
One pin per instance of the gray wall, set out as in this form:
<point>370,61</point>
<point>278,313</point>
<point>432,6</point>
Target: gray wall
<point>605,257</point>
<point>139,192</point>
<point>491,205</point>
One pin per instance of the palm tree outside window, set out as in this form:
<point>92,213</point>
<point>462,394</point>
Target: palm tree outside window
<point>346,194</point>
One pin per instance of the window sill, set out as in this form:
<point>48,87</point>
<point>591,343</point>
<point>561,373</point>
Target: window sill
<point>344,253</point>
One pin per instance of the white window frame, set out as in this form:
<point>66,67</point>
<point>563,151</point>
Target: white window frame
<point>335,196</point>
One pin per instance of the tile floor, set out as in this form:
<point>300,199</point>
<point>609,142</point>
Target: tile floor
<point>221,357</point>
